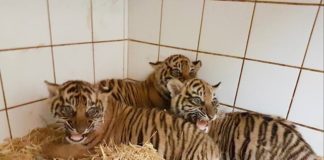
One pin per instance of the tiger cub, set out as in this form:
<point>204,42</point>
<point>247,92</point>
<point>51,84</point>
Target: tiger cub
<point>91,117</point>
<point>153,91</point>
<point>239,135</point>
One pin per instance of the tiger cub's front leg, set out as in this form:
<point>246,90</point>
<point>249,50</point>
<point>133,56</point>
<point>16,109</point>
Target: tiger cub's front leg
<point>64,150</point>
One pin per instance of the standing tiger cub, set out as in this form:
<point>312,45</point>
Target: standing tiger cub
<point>152,92</point>
<point>91,116</point>
<point>239,135</point>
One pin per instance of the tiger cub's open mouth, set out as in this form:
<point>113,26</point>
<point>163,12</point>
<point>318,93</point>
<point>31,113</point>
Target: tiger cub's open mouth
<point>202,125</point>
<point>76,137</point>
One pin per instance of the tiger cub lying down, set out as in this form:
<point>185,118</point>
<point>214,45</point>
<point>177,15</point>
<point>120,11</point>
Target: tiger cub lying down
<point>153,91</point>
<point>239,135</point>
<point>91,117</point>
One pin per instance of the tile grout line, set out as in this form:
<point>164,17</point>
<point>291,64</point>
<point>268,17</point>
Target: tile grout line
<point>228,56</point>
<point>302,64</point>
<point>24,104</point>
<point>51,40</point>
<point>5,105</point>
<point>200,29</point>
<point>92,44</point>
<point>244,58</point>
<point>246,110</point>
<point>160,31</point>
<point>59,45</point>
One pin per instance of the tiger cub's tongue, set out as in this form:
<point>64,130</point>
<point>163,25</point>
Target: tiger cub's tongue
<point>202,125</point>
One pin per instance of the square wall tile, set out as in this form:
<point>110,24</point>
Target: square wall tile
<point>181,23</point>
<point>314,57</point>
<point>2,103</point>
<point>266,88</point>
<point>74,62</point>
<point>225,27</point>
<point>108,19</point>
<point>280,33</point>
<point>144,20</point>
<point>25,118</point>
<point>139,56</point>
<point>221,69</point>
<point>24,72</point>
<point>314,138</point>
<point>23,23</point>
<point>70,21</point>
<point>109,60</point>
<point>4,132</point>
<point>307,107</point>
<point>165,52</point>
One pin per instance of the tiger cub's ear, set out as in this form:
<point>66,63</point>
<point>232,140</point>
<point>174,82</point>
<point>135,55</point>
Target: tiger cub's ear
<point>53,88</point>
<point>216,86</point>
<point>156,65</point>
<point>174,86</point>
<point>197,64</point>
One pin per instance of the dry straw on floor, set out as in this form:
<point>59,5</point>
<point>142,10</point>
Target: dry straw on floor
<point>29,146</point>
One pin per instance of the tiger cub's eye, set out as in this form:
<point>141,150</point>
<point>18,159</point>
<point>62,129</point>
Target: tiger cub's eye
<point>92,112</point>
<point>67,111</point>
<point>176,72</point>
<point>196,100</point>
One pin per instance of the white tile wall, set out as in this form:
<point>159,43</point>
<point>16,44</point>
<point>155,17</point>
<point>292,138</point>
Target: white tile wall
<point>221,69</point>
<point>2,103</point>
<point>280,33</point>
<point>23,72</point>
<point>109,60</point>
<point>224,109</point>
<point>73,62</point>
<point>4,126</point>
<point>23,23</point>
<point>166,52</point>
<point>266,88</point>
<point>108,19</point>
<point>314,57</point>
<point>225,27</point>
<point>148,28</point>
<point>307,107</point>
<point>181,23</point>
<point>314,138</point>
<point>70,21</point>
<point>30,116</point>
<point>139,56</point>
<point>294,1</point>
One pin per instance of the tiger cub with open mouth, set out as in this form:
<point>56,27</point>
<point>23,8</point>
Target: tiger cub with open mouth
<point>239,135</point>
<point>92,116</point>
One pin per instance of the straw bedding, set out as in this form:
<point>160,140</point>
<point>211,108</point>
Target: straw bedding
<point>28,147</point>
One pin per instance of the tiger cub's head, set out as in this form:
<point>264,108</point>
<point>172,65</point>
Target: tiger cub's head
<point>174,67</point>
<point>75,104</point>
<point>194,100</point>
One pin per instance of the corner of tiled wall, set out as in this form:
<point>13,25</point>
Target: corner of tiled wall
<point>268,54</point>
<point>55,40</point>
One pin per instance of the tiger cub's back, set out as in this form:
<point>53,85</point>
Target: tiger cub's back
<point>247,135</point>
<point>153,91</point>
<point>172,137</point>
